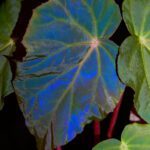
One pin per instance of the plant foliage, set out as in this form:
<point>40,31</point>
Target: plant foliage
<point>9,11</point>
<point>134,70</point>
<point>68,74</point>
<point>134,54</point>
<point>134,137</point>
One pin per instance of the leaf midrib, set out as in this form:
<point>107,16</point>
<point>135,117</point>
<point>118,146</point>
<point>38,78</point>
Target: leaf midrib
<point>9,43</point>
<point>87,55</point>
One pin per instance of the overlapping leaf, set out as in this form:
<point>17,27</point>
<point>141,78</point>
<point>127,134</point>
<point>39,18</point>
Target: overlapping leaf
<point>134,137</point>
<point>134,58</point>
<point>9,10</point>
<point>68,75</point>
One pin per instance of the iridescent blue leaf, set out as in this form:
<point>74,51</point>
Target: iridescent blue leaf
<point>68,74</point>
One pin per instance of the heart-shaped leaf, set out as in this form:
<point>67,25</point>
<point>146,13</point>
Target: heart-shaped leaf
<point>9,10</point>
<point>134,137</point>
<point>134,57</point>
<point>68,75</point>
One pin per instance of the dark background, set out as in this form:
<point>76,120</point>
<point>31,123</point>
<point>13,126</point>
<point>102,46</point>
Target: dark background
<point>14,135</point>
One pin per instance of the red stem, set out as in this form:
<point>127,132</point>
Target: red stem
<point>58,148</point>
<point>114,119</point>
<point>96,126</point>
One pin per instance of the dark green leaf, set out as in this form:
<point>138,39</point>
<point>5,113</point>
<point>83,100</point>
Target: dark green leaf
<point>5,79</point>
<point>9,10</point>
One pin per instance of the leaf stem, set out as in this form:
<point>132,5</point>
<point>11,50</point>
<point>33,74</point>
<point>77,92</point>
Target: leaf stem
<point>114,118</point>
<point>59,148</point>
<point>97,131</point>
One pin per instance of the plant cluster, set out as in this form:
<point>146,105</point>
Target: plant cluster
<point>68,76</point>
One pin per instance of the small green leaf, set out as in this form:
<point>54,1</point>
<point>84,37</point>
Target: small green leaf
<point>69,74</point>
<point>134,55</point>
<point>9,11</point>
<point>134,137</point>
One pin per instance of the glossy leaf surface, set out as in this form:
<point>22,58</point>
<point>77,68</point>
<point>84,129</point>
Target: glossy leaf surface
<point>134,58</point>
<point>68,74</point>
<point>134,137</point>
<point>9,11</point>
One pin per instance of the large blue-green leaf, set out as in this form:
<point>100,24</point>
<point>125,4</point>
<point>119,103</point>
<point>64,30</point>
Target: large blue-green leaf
<point>9,10</point>
<point>134,137</point>
<point>68,74</point>
<point>134,58</point>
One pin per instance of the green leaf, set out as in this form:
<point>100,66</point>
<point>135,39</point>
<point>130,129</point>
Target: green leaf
<point>134,137</point>
<point>9,11</point>
<point>134,55</point>
<point>5,79</point>
<point>68,75</point>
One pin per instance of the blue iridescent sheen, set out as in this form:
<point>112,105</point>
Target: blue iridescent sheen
<point>64,75</point>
